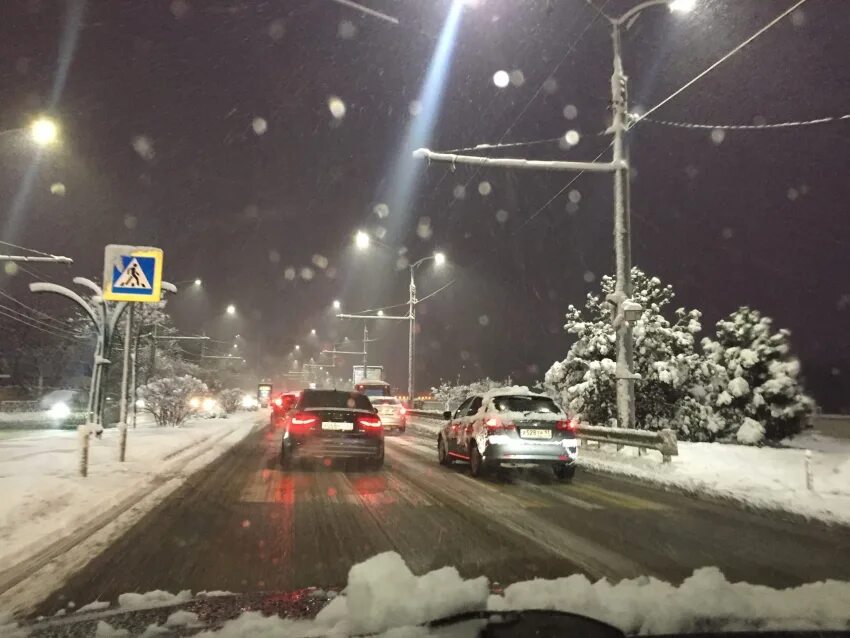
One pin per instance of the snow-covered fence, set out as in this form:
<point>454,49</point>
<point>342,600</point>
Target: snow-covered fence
<point>434,415</point>
<point>662,440</point>
<point>20,406</point>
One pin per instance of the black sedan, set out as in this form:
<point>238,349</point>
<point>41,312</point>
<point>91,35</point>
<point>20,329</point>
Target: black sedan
<point>333,424</point>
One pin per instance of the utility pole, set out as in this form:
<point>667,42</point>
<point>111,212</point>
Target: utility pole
<point>626,311</point>
<point>365,351</point>
<point>411,337</point>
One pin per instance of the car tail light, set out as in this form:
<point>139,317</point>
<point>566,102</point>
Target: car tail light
<point>278,402</point>
<point>403,410</point>
<point>565,425</point>
<point>303,421</point>
<point>369,422</point>
<point>495,425</point>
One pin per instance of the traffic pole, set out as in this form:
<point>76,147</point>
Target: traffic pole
<point>125,374</point>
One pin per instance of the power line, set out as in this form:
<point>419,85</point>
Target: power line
<point>749,127</point>
<point>37,327</point>
<point>39,321</point>
<point>488,147</point>
<point>32,250</point>
<point>710,68</point>
<point>36,311</point>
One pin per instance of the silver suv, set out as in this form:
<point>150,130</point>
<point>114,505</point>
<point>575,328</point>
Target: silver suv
<point>509,427</point>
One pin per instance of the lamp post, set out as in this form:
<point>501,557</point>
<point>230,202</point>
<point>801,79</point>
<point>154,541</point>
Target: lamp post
<point>626,311</point>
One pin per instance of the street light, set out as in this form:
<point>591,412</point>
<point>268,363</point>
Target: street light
<point>44,131</point>
<point>439,259</point>
<point>297,347</point>
<point>362,240</point>
<point>198,282</point>
<point>682,6</point>
<point>313,332</point>
<point>337,305</point>
<point>231,309</point>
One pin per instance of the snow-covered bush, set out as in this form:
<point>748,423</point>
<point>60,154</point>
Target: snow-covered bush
<point>231,399</point>
<point>763,398</point>
<point>674,376</point>
<point>168,399</point>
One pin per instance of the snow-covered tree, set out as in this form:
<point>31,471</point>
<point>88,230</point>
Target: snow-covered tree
<point>763,397</point>
<point>231,399</point>
<point>168,399</point>
<point>674,377</point>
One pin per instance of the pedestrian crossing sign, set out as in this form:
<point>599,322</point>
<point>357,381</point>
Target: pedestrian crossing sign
<point>132,273</point>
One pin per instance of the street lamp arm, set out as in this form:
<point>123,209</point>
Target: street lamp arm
<point>400,317</point>
<point>634,11</point>
<point>169,287</point>
<point>520,163</point>
<point>88,283</point>
<point>40,286</point>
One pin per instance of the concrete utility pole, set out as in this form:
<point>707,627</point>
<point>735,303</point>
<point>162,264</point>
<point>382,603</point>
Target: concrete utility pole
<point>626,311</point>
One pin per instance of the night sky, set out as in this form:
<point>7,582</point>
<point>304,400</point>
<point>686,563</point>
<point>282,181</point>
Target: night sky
<point>204,128</point>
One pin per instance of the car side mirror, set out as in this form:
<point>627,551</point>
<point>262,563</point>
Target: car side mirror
<point>447,415</point>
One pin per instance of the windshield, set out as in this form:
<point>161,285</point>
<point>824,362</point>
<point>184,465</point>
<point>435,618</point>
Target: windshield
<point>540,405</point>
<point>547,300</point>
<point>385,401</point>
<point>333,399</point>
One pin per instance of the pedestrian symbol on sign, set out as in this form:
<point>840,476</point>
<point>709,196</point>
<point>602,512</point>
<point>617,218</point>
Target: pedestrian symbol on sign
<point>132,277</point>
<point>132,273</point>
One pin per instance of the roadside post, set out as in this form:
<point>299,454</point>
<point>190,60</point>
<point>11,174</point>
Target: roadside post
<point>131,274</point>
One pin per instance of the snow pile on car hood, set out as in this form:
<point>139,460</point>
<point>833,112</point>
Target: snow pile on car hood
<point>383,595</point>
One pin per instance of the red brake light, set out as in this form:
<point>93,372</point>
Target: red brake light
<point>303,421</point>
<point>369,421</point>
<point>495,425</point>
<point>565,425</point>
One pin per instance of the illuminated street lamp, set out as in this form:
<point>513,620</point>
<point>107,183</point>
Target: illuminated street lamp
<point>231,309</point>
<point>337,305</point>
<point>362,240</point>
<point>198,282</point>
<point>439,259</point>
<point>44,131</point>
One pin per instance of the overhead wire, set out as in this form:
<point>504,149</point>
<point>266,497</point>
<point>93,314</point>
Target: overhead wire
<point>748,127</point>
<point>58,329</point>
<point>723,59</point>
<point>36,326</point>
<point>32,250</point>
<point>59,323</point>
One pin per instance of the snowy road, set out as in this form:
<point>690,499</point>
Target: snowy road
<point>243,525</point>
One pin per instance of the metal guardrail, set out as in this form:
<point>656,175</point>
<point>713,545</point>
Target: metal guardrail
<point>662,440</point>
<point>426,414</point>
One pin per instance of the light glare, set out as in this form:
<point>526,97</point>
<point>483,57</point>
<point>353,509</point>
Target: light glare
<point>361,240</point>
<point>231,309</point>
<point>44,131</point>
<point>439,259</point>
<point>501,79</point>
<point>682,6</point>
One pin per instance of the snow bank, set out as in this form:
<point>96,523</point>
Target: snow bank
<point>45,498</point>
<point>384,597</point>
<point>766,477</point>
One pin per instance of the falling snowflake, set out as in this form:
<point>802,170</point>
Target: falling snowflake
<point>459,191</point>
<point>501,216</point>
<point>320,261</point>
<point>718,135</point>
<point>570,112</point>
<point>484,188</point>
<point>423,228</point>
<point>550,85</point>
<point>517,77</point>
<point>259,125</point>
<point>130,222</point>
<point>58,189</point>
<point>572,137</point>
<point>381,210</point>
<point>276,30</point>
<point>415,108</point>
<point>274,256</point>
<point>346,30</point>
<point>307,273</point>
<point>289,273</point>
<point>337,107</point>
<point>574,196</point>
<point>144,147</point>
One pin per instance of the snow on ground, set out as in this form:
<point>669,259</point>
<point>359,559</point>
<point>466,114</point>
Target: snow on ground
<point>705,601</point>
<point>431,426</point>
<point>45,498</point>
<point>766,477</point>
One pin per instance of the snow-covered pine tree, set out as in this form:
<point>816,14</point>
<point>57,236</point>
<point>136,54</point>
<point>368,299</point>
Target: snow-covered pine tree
<point>763,398</point>
<point>674,377</point>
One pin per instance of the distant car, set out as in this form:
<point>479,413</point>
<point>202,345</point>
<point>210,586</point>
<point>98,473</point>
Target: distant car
<point>509,428</point>
<point>332,424</point>
<point>207,407</point>
<point>393,414</point>
<point>282,404</point>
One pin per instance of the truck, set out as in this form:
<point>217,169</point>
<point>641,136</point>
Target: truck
<point>373,385</point>
<point>373,373</point>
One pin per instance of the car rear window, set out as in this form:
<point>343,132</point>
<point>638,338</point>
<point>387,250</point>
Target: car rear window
<point>540,405</point>
<point>334,399</point>
<point>385,401</point>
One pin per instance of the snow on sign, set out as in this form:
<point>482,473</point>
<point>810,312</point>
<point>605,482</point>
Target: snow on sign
<point>132,273</point>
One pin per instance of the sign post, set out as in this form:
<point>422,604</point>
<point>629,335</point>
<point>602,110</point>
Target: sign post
<point>130,274</point>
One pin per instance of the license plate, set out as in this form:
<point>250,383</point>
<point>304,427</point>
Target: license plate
<point>338,426</point>
<point>533,433</point>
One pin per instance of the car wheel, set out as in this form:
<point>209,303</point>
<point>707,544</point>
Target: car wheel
<point>443,452</point>
<point>285,459</point>
<point>378,463</point>
<point>564,472</point>
<point>476,463</point>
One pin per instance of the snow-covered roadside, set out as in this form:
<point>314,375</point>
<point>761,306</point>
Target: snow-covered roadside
<point>766,478</point>
<point>370,604</point>
<point>45,501</point>
<point>430,426</point>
